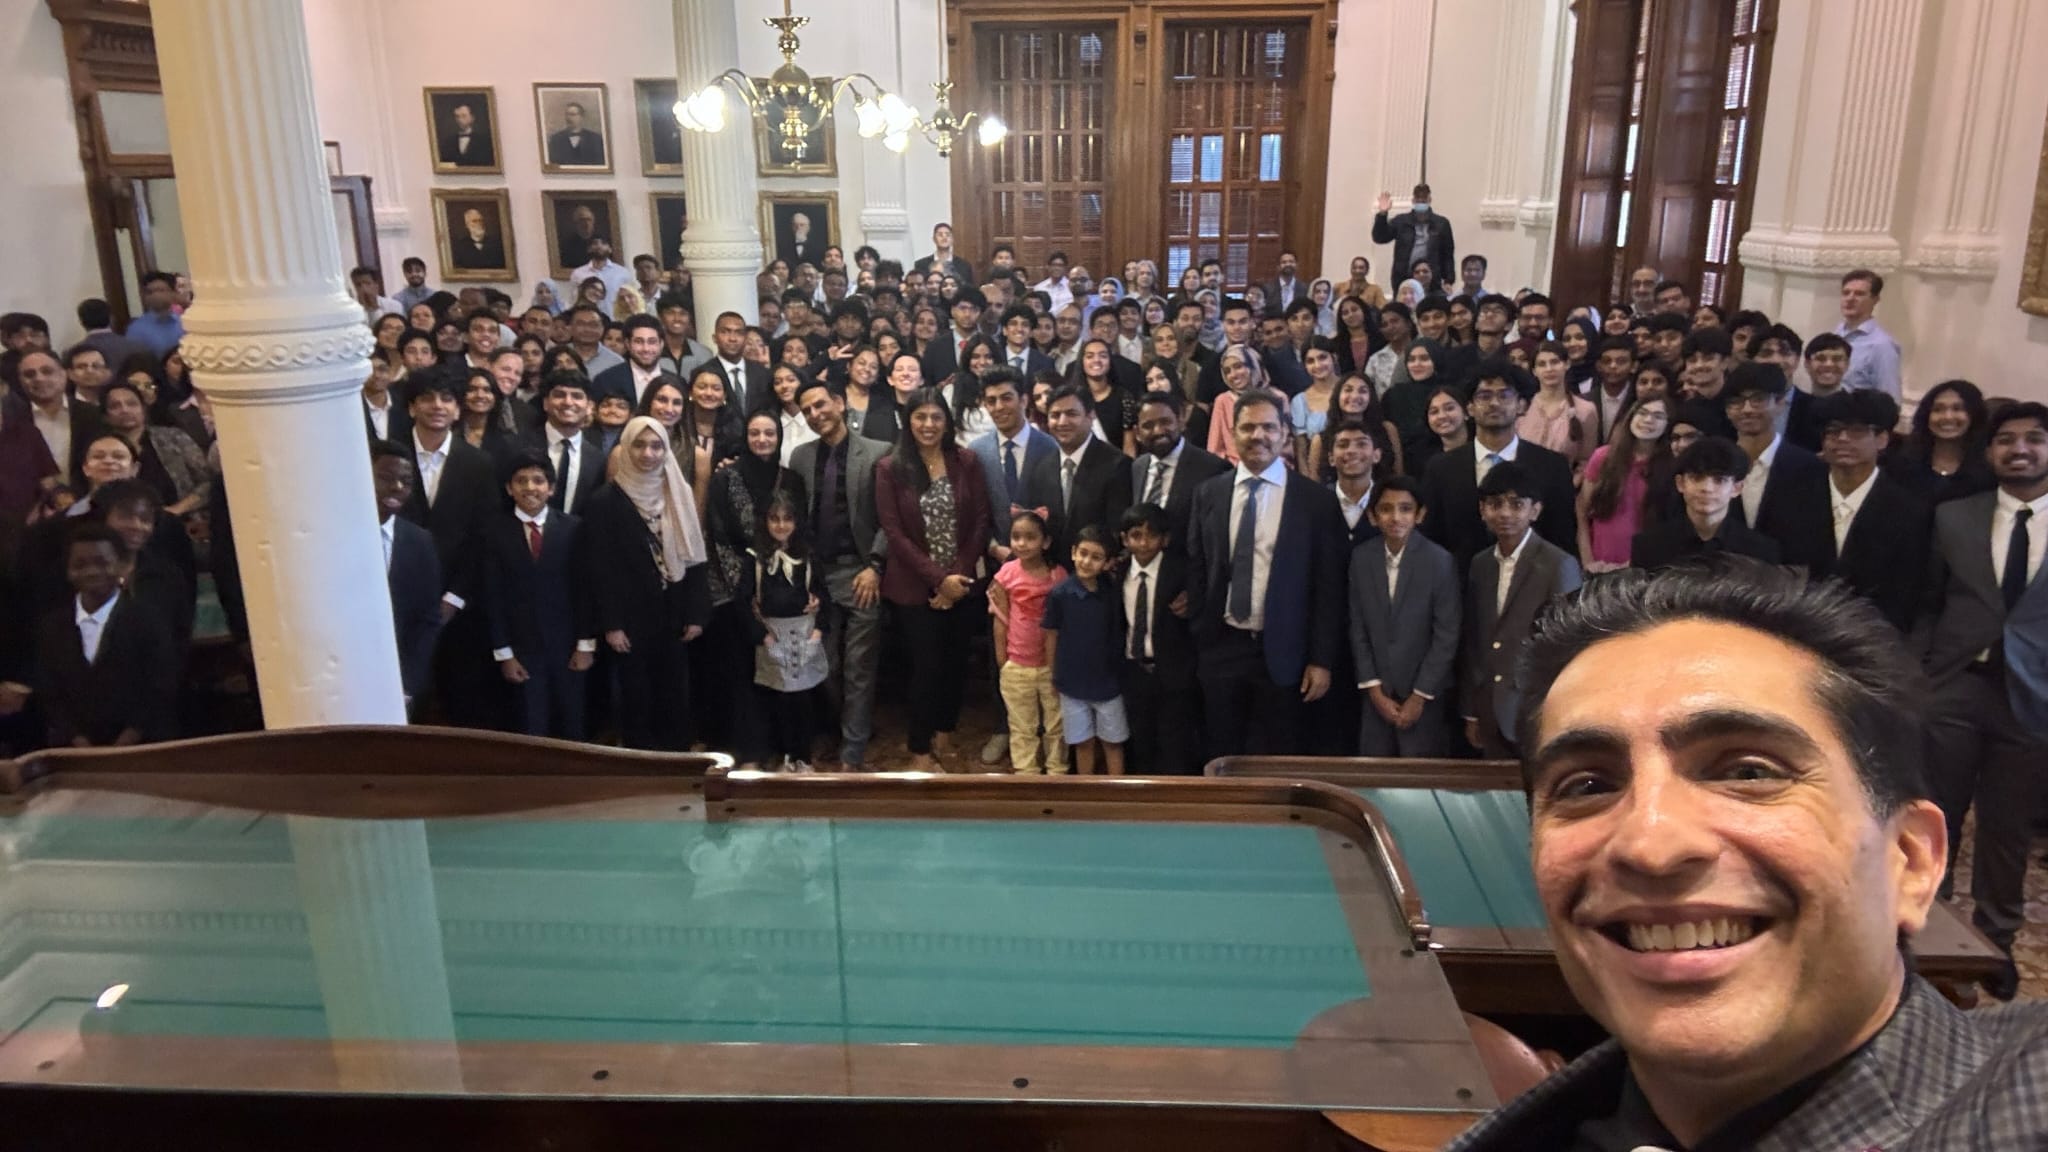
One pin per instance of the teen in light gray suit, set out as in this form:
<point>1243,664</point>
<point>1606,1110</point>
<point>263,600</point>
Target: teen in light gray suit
<point>1502,612</point>
<point>1404,628</point>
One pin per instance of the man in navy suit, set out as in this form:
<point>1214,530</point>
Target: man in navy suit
<point>1007,455</point>
<point>1017,353</point>
<point>541,633</point>
<point>1168,468</point>
<point>1084,481</point>
<point>411,570</point>
<point>1404,628</point>
<point>1266,585</point>
<point>456,491</point>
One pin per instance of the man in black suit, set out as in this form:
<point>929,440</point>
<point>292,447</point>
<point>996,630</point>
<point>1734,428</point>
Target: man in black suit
<point>1123,371</point>
<point>1017,352</point>
<point>1612,387</point>
<point>573,448</point>
<point>69,427</point>
<point>747,384</point>
<point>1507,585</point>
<point>575,144</point>
<point>106,667</point>
<point>1168,468</point>
<point>1710,475</point>
<point>456,491</point>
<point>412,572</point>
<point>942,358</point>
<point>1285,287</point>
<point>466,139</point>
<point>1086,481</point>
<point>1785,494</point>
<point>542,637</point>
<point>1499,396</point>
<point>642,364</point>
<point>1881,529</point>
<point>477,245</point>
<point>1419,235</point>
<point>1157,670</point>
<point>1266,586</point>
<point>944,261</point>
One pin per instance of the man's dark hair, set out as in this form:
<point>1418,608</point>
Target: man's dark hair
<point>438,378</point>
<point>1205,265</point>
<point>1147,516</point>
<point>1076,391</point>
<point>1000,376</point>
<point>1475,258</point>
<point>1664,286</point>
<point>1130,304</point>
<point>121,493</point>
<point>1185,303</point>
<point>1532,300</point>
<point>641,322</point>
<point>1495,300</point>
<point>481,314</point>
<point>1615,344</point>
<point>671,299</point>
<point>1503,369</point>
<point>2025,410</point>
<point>167,279</point>
<point>793,296</point>
<point>851,306</point>
<point>807,383</point>
<point>1699,415</point>
<point>361,270</point>
<point>1871,689</point>
<point>1233,304</point>
<point>1508,479</point>
<point>888,269</point>
<point>1172,401</point>
<point>14,323</point>
<point>1712,456</point>
<point>386,450</point>
<point>1421,192</point>
<point>93,313</point>
<point>831,272</point>
<point>1712,341</point>
<point>1018,312</point>
<point>1396,308</point>
<point>1754,377</point>
<point>1869,277</point>
<point>1002,248</point>
<point>72,354</point>
<point>564,378</point>
<point>1301,305</point>
<point>84,531</point>
<point>522,462</point>
<point>1782,333</point>
<point>1432,304</point>
<point>1252,397</point>
<point>1097,535</point>
<point>1394,484</point>
<point>1826,342</point>
<point>412,262</point>
<point>590,308</point>
<point>1859,408</point>
<point>969,294</point>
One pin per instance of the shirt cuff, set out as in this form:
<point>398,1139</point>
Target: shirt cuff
<point>452,599</point>
<point>1425,695</point>
<point>1369,684</point>
<point>501,654</point>
<point>587,645</point>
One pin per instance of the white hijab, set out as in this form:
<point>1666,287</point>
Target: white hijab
<point>663,498</point>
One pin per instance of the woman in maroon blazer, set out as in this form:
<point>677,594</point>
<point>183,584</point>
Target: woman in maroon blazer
<point>933,505</point>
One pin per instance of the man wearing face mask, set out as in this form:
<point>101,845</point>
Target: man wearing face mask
<point>1419,235</point>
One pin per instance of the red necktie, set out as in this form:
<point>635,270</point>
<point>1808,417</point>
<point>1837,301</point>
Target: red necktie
<point>533,539</point>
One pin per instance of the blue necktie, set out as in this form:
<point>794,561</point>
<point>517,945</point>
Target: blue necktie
<point>1241,556</point>
<point>1010,470</point>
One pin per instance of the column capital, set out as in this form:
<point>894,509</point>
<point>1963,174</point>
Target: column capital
<point>1812,252</point>
<point>886,221</point>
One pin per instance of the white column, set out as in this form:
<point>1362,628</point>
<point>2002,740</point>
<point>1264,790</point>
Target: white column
<point>1514,50</point>
<point>884,213</point>
<point>722,243</point>
<point>276,341</point>
<point>1833,161</point>
<point>1404,99</point>
<point>1977,72</point>
<point>1552,109</point>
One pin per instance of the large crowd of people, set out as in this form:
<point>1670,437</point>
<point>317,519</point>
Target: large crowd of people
<point>1147,523</point>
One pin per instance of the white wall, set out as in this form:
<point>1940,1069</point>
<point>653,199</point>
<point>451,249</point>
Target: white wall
<point>47,247</point>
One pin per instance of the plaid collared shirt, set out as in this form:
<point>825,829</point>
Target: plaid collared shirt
<point>1934,1079</point>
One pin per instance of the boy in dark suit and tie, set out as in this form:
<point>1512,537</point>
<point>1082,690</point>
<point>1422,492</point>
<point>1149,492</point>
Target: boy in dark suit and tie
<point>1509,583</point>
<point>1784,496</point>
<point>1404,628</point>
<point>1157,672</point>
<point>573,449</point>
<point>1881,529</point>
<point>454,492</point>
<point>541,634</point>
<point>411,570</point>
<point>106,667</point>
<point>1500,395</point>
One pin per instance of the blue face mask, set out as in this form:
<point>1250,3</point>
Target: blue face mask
<point>1422,208</point>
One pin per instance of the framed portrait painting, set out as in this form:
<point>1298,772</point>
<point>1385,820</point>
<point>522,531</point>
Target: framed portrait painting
<point>462,130</point>
<point>473,232</point>
<point>576,220</point>
<point>669,221</point>
<point>574,122</point>
<point>661,136</point>
<point>818,157</point>
<point>798,226</point>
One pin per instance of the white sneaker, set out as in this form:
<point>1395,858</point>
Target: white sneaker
<point>998,746</point>
<point>800,766</point>
<point>787,766</point>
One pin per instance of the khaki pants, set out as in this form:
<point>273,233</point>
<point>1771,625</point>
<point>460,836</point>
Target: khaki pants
<point>1029,695</point>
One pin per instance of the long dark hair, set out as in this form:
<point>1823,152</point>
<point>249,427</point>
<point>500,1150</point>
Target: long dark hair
<point>1612,479</point>
<point>728,431</point>
<point>1919,445</point>
<point>1374,418</point>
<point>967,385</point>
<point>786,502</point>
<point>1077,373</point>
<point>907,457</point>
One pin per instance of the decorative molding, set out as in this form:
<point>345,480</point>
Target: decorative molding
<point>1499,211</point>
<point>884,220</point>
<point>394,220</point>
<point>246,368</point>
<point>1959,256</point>
<point>1807,252</point>
<point>1537,215</point>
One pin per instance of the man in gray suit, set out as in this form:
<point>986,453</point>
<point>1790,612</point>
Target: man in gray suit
<point>1983,639</point>
<point>1510,582</point>
<point>849,547</point>
<point>1404,628</point>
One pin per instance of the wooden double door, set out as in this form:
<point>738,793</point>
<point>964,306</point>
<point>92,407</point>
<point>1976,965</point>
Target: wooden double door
<point>1179,133</point>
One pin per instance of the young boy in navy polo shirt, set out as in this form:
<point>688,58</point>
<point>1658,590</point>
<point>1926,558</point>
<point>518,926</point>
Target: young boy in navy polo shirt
<point>1079,633</point>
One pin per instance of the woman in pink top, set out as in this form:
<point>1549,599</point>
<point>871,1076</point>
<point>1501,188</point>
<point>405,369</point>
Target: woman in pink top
<point>1612,502</point>
<point>1016,599</point>
<point>1556,419</point>
<point>1242,369</point>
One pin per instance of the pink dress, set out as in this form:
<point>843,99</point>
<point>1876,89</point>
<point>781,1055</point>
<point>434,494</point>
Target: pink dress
<point>1027,611</point>
<point>1612,538</point>
<point>1222,416</point>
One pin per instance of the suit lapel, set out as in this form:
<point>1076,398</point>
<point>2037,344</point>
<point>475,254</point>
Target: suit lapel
<point>1978,553</point>
<point>1525,575</point>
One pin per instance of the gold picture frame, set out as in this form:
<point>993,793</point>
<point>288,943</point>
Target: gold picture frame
<point>493,259</point>
<point>669,215</point>
<point>584,148</point>
<point>661,136</point>
<point>567,244</point>
<point>2034,273</point>
<point>821,155</point>
<point>443,151</point>
<point>778,233</point>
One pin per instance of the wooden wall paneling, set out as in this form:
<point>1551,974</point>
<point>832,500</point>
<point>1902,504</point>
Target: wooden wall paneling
<point>1675,168</point>
<point>1589,203</point>
<point>1752,152</point>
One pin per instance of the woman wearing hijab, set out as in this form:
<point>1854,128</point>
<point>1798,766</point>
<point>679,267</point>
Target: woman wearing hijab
<point>1109,292</point>
<point>736,498</point>
<point>544,297</point>
<point>1407,402</point>
<point>1323,295</point>
<point>1211,336</point>
<point>1410,292</point>
<point>648,583</point>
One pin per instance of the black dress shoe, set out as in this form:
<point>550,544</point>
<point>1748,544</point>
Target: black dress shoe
<point>2006,984</point>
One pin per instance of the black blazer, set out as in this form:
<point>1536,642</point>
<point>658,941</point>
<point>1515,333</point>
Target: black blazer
<point>1591,390</point>
<point>397,422</point>
<point>760,387</point>
<point>589,466</point>
<point>1450,484</point>
<point>1304,589</point>
<point>1173,642</point>
<point>1796,510</point>
<point>467,496</point>
<point>1034,363</point>
<point>625,586</point>
<point>132,684</point>
<point>536,607</point>
<point>1101,492</point>
<point>1884,557</point>
<point>1400,232</point>
<point>414,580</point>
<point>1674,541</point>
<point>1195,466</point>
<point>940,361</point>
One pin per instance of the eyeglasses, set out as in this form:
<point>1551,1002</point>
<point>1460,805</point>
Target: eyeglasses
<point>1752,400</point>
<point>1491,397</point>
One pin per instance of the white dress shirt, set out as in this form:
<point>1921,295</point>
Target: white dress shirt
<point>2002,516</point>
<point>1265,535</point>
<point>387,533</point>
<point>1483,465</point>
<point>642,377</point>
<point>56,430</point>
<point>1142,628</point>
<point>1161,468</point>
<point>430,465</point>
<point>796,432</point>
<point>1354,510</point>
<point>1059,291</point>
<point>1759,475</point>
<point>1019,359</point>
<point>1847,505</point>
<point>1507,572</point>
<point>735,372</point>
<point>566,451</point>
<point>93,625</point>
<point>380,418</point>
